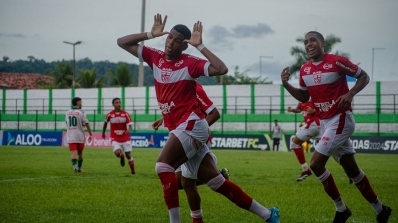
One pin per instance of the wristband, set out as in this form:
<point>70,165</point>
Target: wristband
<point>149,35</point>
<point>200,47</point>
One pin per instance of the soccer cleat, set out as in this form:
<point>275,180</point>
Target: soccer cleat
<point>304,175</point>
<point>341,217</point>
<point>121,159</point>
<point>274,218</point>
<point>225,173</point>
<point>384,214</point>
<point>79,171</point>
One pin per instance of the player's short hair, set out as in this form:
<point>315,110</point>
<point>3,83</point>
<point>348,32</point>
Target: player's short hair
<point>113,100</point>
<point>75,100</point>
<point>318,34</point>
<point>275,120</point>
<point>183,29</point>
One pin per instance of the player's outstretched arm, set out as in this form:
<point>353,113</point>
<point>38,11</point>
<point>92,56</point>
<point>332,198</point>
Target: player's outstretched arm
<point>297,93</point>
<point>294,110</point>
<point>89,131</point>
<point>217,66</point>
<point>130,42</point>
<point>156,124</point>
<point>104,129</point>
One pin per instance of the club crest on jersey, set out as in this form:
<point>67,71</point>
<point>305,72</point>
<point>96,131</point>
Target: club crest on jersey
<point>165,76</point>
<point>307,70</point>
<point>327,66</point>
<point>317,78</point>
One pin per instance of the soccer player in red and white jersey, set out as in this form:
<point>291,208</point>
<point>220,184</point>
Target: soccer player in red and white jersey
<point>121,125</point>
<point>76,120</point>
<point>323,78</point>
<point>174,76</point>
<point>188,180</point>
<point>310,129</point>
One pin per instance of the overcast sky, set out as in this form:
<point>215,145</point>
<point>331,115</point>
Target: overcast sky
<point>239,32</point>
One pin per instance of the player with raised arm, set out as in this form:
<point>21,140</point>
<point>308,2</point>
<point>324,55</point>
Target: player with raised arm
<point>175,76</point>
<point>310,129</point>
<point>76,120</point>
<point>323,78</point>
<point>187,180</point>
<point>121,125</point>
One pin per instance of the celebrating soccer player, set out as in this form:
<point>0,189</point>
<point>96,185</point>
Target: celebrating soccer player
<point>76,120</point>
<point>189,180</point>
<point>174,76</point>
<point>121,126</point>
<point>310,129</point>
<point>323,78</point>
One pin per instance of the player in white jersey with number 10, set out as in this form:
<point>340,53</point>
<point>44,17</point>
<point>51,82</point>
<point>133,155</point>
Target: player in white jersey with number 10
<point>76,120</point>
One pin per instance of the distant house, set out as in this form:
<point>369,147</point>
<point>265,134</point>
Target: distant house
<point>23,80</point>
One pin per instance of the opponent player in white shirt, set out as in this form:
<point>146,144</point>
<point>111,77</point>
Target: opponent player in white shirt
<point>76,120</point>
<point>175,76</point>
<point>323,78</point>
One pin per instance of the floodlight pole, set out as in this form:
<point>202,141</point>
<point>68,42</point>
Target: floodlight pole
<point>74,61</point>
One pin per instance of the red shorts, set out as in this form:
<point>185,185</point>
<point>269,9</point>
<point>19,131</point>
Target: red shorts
<point>76,146</point>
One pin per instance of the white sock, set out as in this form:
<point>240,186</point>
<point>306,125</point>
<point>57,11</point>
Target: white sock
<point>260,210</point>
<point>197,213</point>
<point>340,206</point>
<point>174,214</point>
<point>377,206</point>
<point>304,166</point>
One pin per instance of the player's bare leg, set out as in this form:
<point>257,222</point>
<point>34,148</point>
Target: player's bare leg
<point>119,153</point>
<point>193,197</point>
<point>131,162</point>
<point>361,181</point>
<point>170,158</point>
<point>209,173</point>
<point>295,145</point>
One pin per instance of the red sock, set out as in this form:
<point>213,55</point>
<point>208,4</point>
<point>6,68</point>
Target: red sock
<point>300,155</point>
<point>131,164</point>
<point>330,188</point>
<point>170,189</point>
<point>366,190</point>
<point>235,194</point>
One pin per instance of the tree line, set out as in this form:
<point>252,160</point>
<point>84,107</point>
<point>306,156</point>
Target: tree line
<point>91,74</point>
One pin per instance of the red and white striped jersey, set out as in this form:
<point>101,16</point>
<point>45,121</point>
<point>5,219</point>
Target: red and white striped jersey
<point>309,118</point>
<point>118,124</point>
<point>326,82</point>
<point>175,84</point>
<point>75,120</point>
<point>204,101</point>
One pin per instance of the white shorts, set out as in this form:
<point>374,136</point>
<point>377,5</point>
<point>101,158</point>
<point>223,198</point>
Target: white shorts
<point>336,131</point>
<point>124,146</point>
<point>190,168</point>
<point>305,134</point>
<point>193,135</point>
<point>210,153</point>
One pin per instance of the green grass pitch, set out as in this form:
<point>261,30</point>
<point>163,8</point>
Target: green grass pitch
<point>37,184</point>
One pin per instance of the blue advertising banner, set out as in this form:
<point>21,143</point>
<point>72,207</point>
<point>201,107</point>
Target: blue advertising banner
<point>148,140</point>
<point>11,138</point>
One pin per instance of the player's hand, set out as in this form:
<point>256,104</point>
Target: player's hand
<point>285,75</point>
<point>127,132</point>
<point>156,124</point>
<point>196,36</point>
<point>344,101</point>
<point>89,138</point>
<point>158,26</point>
<point>103,135</point>
<point>289,109</point>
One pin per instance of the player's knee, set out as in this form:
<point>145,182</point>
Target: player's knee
<point>163,167</point>
<point>216,182</point>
